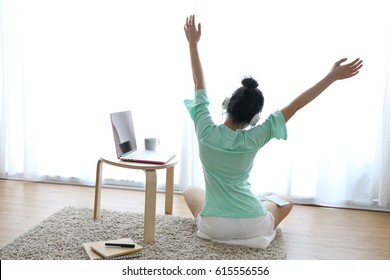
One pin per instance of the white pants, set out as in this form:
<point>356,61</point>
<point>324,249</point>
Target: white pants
<point>252,232</point>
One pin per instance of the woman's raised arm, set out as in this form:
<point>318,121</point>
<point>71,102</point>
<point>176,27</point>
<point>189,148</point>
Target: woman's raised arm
<point>193,35</point>
<point>338,72</point>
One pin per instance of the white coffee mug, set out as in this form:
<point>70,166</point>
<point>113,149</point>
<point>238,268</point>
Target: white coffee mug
<point>151,143</point>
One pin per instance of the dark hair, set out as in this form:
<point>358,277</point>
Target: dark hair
<point>246,101</point>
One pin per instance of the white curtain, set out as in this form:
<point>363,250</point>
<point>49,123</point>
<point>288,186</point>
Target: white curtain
<point>65,65</point>
<point>68,64</point>
<point>380,188</point>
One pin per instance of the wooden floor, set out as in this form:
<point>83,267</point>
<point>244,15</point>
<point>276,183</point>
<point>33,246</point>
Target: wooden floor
<point>308,232</point>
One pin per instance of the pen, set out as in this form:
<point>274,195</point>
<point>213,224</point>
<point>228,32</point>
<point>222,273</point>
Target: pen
<point>128,245</point>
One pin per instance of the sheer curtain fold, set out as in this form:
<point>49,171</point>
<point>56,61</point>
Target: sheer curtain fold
<point>380,187</point>
<point>61,76</point>
<point>12,116</point>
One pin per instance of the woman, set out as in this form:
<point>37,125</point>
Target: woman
<point>227,211</point>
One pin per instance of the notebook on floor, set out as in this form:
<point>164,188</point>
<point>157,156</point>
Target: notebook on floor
<point>99,250</point>
<point>125,142</point>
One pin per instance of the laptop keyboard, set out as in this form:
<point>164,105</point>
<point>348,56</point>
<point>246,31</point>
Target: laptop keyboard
<point>141,155</point>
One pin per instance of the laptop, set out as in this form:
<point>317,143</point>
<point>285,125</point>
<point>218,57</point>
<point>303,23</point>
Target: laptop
<point>125,142</point>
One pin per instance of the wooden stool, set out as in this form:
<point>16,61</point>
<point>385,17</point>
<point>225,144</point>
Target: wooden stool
<point>150,190</point>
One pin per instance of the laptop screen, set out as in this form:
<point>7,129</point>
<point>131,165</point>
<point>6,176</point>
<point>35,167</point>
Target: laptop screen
<point>123,129</point>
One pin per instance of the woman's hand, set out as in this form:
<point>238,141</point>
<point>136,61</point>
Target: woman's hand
<point>192,34</point>
<point>340,72</point>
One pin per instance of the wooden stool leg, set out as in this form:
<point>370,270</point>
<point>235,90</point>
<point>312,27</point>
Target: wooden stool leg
<point>169,190</point>
<point>98,190</point>
<point>150,206</point>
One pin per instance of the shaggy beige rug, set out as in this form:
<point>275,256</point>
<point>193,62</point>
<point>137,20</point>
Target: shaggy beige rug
<point>62,235</point>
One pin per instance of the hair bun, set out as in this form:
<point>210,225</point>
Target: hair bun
<point>249,82</point>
